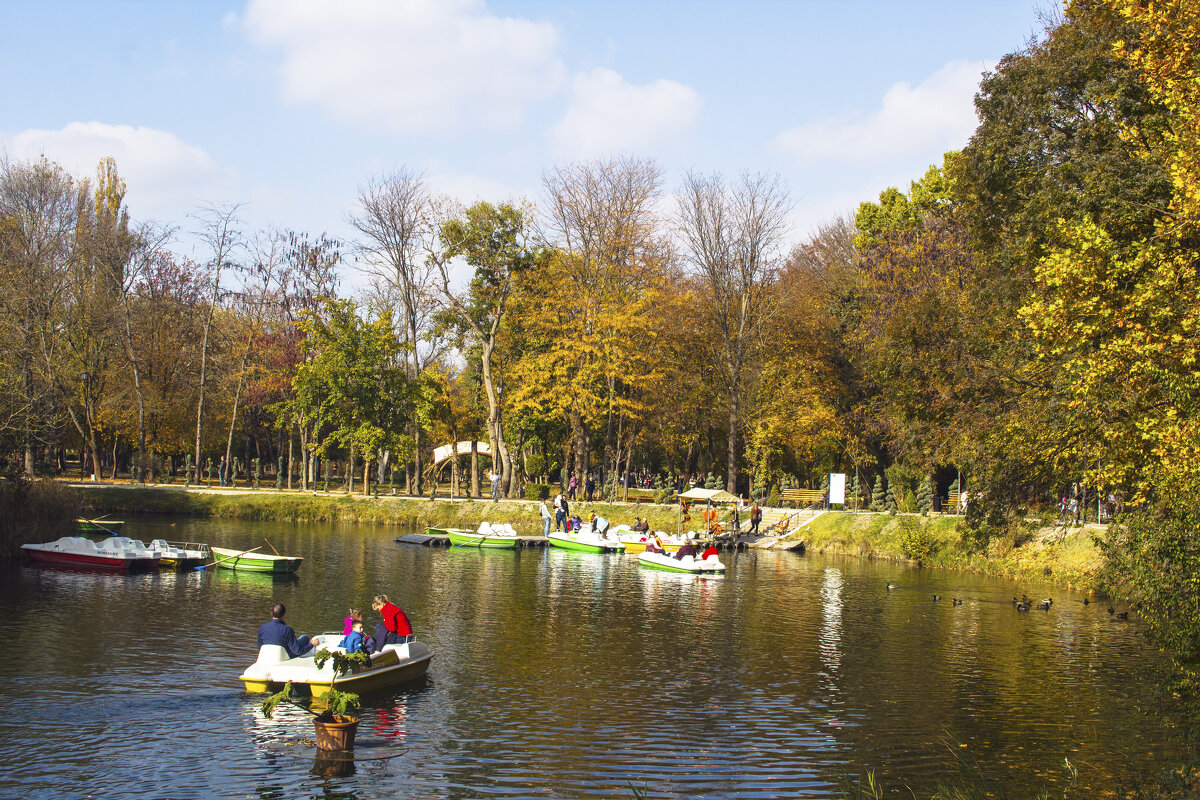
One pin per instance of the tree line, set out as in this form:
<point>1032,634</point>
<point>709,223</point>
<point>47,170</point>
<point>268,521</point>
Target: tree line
<point>1021,318</point>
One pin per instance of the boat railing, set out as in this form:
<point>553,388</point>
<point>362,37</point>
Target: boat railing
<point>201,546</point>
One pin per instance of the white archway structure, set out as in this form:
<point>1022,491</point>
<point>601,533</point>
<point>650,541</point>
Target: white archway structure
<point>448,451</point>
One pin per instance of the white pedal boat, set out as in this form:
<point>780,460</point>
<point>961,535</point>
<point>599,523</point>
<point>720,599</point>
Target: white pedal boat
<point>636,542</point>
<point>585,540</point>
<point>117,553</point>
<point>697,566</point>
<point>180,555</point>
<point>394,665</point>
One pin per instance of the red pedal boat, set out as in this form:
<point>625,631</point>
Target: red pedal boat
<point>117,553</point>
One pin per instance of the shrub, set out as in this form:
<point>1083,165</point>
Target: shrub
<point>925,497</point>
<point>879,496</point>
<point>663,495</point>
<point>537,491</point>
<point>916,541</point>
<point>35,511</point>
<point>773,497</point>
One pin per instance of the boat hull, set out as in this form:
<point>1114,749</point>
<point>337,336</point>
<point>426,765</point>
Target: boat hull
<point>585,543</point>
<point>671,564</point>
<point>396,665</point>
<point>255,562</point>
<point>101,527</point>
<point>58,554</point>
<point>490,541</point>
<point>93,562</point>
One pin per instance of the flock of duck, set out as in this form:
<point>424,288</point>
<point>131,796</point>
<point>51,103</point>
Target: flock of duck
<point>1023,603</point>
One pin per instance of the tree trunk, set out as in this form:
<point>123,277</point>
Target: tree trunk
<point>366,477</point>
<point>212,305</point>
<point>350,470</point>
<point>610,453</point>
<point>474,468</point>
<point>582,448</point>
<point>731,474</point>
<point>416,457</point>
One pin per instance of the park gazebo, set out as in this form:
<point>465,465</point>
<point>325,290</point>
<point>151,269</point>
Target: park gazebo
<point>710,498</point>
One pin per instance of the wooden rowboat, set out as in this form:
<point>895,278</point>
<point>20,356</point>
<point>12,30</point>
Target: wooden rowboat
<point>228,558</point>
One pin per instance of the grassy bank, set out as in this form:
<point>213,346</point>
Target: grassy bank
<point>296,507</point>
<point>34,511</point>
<point>1064,556</point>
<point>1067,557</point>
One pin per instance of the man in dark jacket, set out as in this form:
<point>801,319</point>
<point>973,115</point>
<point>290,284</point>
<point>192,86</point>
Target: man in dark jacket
<point>279,632</point>
<point>688,549</point>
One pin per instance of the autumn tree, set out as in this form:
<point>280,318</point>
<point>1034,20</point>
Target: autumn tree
<point>220,234</point>
<point>601,217</point>
<point>38,216</point>
<point>394,217</point>
<point>733,236</point>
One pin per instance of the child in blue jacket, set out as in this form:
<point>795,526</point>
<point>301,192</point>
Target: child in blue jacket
<point>355,641</point>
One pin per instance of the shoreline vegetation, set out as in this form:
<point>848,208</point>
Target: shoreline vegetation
<point>1064,556</point>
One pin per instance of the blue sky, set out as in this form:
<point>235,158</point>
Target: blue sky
<point>289,106</point>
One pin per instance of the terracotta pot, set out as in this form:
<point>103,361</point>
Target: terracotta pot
<point>336,735</point>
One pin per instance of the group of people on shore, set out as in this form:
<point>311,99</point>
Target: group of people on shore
<point>393,628</point>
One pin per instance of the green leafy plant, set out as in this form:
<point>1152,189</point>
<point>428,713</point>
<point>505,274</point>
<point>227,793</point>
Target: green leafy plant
<point>916,542</point>
<point>537,491</point>
<point>331,706</point>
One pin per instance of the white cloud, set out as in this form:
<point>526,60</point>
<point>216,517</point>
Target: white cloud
<point>413,65</point>
<point>930,118</point>
<point>164,175</point>
<point>606,114</point>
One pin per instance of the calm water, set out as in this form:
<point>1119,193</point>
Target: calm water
<point>570,675</point>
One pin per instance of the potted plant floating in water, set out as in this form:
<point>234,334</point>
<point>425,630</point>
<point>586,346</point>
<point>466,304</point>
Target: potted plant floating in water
<point>334,725</point>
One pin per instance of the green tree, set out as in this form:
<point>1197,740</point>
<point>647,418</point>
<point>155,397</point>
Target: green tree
<point>495,241</point>
<point>354,380</point>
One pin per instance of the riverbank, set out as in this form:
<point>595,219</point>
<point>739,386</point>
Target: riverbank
<point>1066,556</point>
<point>270,505</point>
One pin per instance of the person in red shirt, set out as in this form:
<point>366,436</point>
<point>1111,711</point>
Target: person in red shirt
<point>395,628</point>
<point>711,550</point>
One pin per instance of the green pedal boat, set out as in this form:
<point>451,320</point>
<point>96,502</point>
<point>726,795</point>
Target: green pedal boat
<point>245,561</point>
<point>492,537</point>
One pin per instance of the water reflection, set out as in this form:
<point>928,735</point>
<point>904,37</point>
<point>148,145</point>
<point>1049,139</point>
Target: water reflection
<point>563,674</point>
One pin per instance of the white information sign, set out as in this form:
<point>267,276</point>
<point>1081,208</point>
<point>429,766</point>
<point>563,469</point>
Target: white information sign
<point>837,488</point>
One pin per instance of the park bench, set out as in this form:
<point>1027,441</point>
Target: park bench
<point>639,495</point>
<point>952,501</point>
<point>802,497</point>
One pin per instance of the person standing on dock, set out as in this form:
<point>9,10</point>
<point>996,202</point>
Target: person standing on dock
<point>545,518</point>
<point>560,511</point>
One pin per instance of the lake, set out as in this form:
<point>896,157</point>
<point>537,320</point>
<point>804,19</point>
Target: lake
<point>567,675</point>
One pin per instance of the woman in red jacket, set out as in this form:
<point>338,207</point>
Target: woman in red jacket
<point>395,628</point>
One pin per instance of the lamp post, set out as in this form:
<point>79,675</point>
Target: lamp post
<point>86,377</point>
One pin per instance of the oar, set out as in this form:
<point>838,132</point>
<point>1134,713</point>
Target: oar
<point>97,522</point>
<point>273,550</point>
<point>227,558</point>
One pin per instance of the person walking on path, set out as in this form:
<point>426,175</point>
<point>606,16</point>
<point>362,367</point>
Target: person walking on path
<point>571,488</point>
<point>755,518</point>
<point>495,486</point>
<point>223,472</point>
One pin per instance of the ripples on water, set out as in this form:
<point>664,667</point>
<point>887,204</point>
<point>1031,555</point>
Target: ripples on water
<point>568,675</point>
